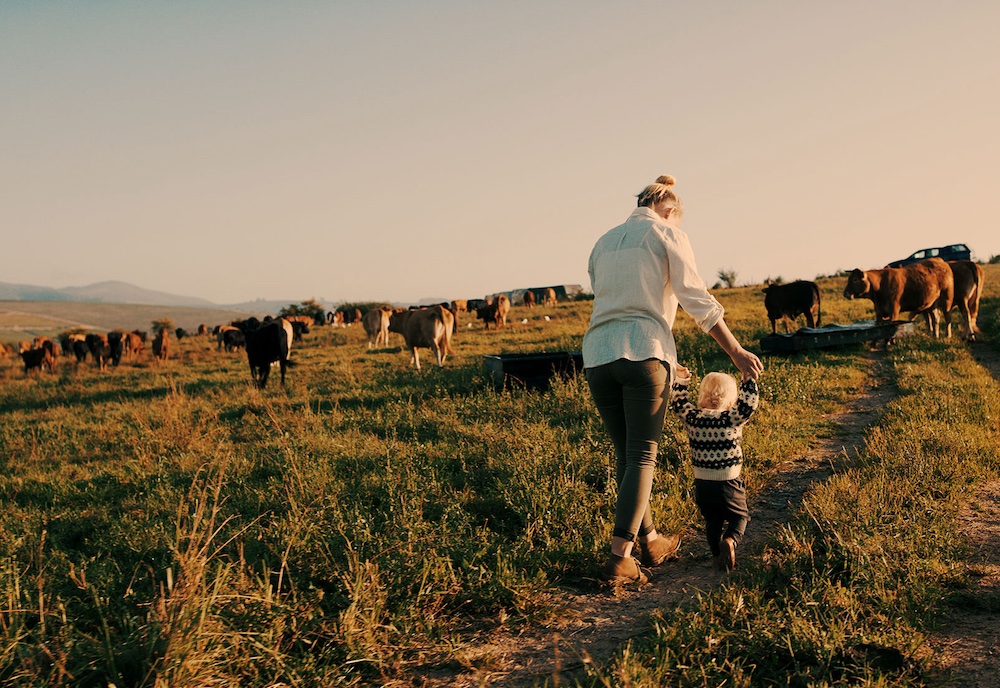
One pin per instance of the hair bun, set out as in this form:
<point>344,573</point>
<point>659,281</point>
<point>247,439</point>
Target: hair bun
<point>666,180</point>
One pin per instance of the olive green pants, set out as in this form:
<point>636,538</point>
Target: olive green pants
<point>632,398</point>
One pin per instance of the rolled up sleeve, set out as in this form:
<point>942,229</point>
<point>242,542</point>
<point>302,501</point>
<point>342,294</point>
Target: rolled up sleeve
<point>687,284</point>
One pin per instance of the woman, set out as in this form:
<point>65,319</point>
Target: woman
<point>639,272</point>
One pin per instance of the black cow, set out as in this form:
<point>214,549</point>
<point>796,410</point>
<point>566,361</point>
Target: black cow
<point>790,301</point>
<point>180,333</point>
<point>116,343</point>
<point>473,305</point>
<point>38,358</point>
<point>266,345</point>
<point>99,348</point>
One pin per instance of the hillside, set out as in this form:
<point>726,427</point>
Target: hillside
<point>26,319</point>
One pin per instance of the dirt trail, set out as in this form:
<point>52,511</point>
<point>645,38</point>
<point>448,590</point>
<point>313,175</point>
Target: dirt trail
<point>601,622</point>
<point>966,647</point>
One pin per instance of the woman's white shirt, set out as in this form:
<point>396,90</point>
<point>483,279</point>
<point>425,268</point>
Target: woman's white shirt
<point>639,272</point>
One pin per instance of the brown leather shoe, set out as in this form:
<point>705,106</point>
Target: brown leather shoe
<point>659,550</point>
<point>622,570</point>
<point>727,559</point>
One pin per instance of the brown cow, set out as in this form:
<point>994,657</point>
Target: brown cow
<point>550,297</point>
<point>529,298</point>
<point>926,287</point>
<point>161,345</point>
<point>376,324</point>
<point>132,345</point>
<point>429,327</point>
<point>203,330</point>
<point>459,306</point>
<point>968,290</point>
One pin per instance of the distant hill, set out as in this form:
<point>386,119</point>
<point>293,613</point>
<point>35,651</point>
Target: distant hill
<point>101,292</point>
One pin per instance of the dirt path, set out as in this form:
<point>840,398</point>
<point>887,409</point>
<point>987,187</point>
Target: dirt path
<point>601,622</point>
<point>966,647</point>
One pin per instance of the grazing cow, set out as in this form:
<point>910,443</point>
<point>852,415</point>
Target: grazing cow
<point>495,312</point>
<point>141,334</point>
<point>529,299</point>
<point>99,348</point>
<point>473,305</point>
<point>788,301</point>
<point>23,345</point>
<point>549,298</point>
<point>265,345</point>
<point>161,345</point>
<point>203,330</point>
<point>925,287</point>
<point>968,278</point>
<point>459,306</point>
<point>376,324</point>
<point>41,342</point>
<point>300,325</point>
<point>38,358</point>
<point>427,327</point>
<point>180,333</point>
<point>132,345</point>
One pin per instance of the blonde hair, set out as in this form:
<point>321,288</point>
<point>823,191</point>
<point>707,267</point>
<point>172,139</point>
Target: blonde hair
<point>660,191</point>
<point>717,391</point>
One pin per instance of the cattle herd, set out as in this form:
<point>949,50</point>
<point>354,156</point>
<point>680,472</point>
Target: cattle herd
<point>269,341</point>
<point>932,288</point>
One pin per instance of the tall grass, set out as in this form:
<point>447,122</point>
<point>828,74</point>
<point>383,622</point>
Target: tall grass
<point>172,525</point>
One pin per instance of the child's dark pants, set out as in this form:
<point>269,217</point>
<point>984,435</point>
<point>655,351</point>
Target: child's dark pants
<point>721,501</point>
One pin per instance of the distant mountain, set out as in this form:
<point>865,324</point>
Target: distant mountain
<point>102,292</point>
<point>263,305</point>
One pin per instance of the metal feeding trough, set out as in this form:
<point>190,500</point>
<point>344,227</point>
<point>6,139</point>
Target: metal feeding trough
<point>834,335</point>
<point>532,371</point>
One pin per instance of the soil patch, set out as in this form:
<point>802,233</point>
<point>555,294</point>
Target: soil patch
<point>600,622</point>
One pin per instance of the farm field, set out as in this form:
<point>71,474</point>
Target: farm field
<point>170,525</point>
<point>28,319</point>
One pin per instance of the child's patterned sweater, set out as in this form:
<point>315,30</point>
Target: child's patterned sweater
<point>715,435</point>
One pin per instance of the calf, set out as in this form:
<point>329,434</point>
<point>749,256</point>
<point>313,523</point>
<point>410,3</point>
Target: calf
<point>790,301</point>
<point>529,298</point>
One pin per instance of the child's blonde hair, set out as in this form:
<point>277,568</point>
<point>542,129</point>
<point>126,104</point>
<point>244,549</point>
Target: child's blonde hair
<point>717,391</point>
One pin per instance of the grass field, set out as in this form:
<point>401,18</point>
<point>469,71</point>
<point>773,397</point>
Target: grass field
<point>169,525</point>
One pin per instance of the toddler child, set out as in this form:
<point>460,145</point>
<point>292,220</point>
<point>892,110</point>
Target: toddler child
<point>715,430</point>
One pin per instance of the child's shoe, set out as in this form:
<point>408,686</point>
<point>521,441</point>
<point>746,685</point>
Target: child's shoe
<point>622,570</point>
<point>659,550</point>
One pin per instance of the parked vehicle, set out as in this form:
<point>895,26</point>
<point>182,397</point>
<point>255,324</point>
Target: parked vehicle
<point>951,252</point>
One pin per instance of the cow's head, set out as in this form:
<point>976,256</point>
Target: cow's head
<point>857,284</point>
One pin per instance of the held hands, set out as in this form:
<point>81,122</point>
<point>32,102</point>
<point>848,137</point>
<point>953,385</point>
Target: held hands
<point>748,363</point>
<point>682,372</point>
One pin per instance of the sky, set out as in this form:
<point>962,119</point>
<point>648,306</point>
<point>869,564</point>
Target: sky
<point>388,150</point>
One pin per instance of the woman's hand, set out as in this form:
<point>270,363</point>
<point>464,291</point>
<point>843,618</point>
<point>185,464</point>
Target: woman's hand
<point>748,363</point>
<point>682,372</point>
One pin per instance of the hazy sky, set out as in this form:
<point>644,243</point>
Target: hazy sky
<point>392,150</point>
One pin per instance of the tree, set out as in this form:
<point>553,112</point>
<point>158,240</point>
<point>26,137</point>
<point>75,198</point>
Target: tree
<point>728,277</point>
<point>163,324</point>
<point>311,307</point>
